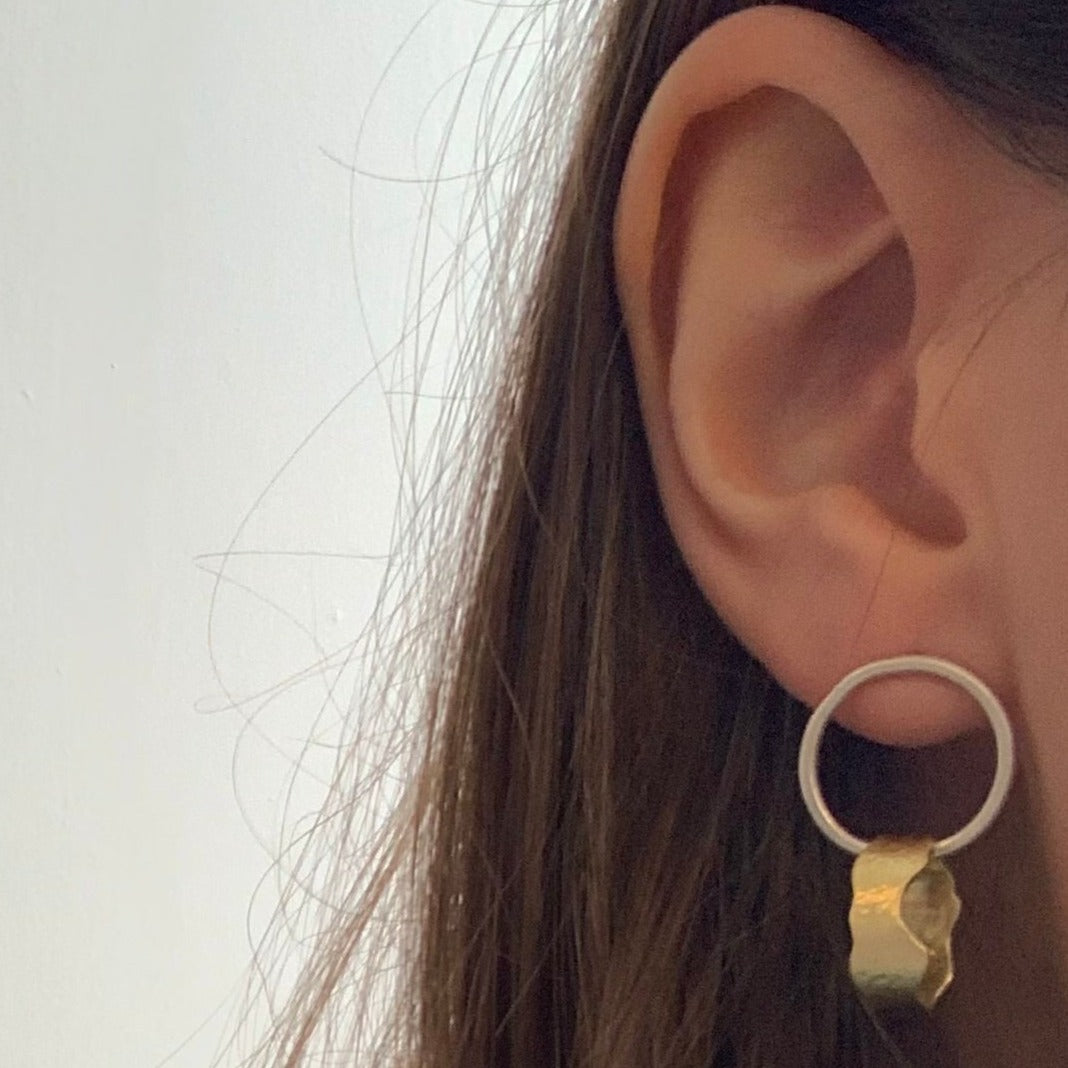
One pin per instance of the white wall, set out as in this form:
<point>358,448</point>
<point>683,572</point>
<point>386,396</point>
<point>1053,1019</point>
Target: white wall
<point>178,309</point>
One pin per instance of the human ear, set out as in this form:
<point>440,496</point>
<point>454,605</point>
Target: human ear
<point>802,238</point>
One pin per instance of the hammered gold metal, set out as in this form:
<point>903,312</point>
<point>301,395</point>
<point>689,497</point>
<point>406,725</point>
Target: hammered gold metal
<point>904,907</point>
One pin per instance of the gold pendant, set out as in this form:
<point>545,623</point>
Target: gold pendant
<point>904,907</point>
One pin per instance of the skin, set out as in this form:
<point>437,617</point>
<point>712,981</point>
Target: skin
<point>847,315</point>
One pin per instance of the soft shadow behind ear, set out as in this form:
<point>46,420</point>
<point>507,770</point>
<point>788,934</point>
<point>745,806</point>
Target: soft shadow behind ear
<point>799,232</point>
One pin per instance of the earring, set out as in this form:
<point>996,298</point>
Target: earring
<point>904,899</point>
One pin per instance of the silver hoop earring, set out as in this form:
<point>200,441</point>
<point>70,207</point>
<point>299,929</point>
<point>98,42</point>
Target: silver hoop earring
<point>905,902</point>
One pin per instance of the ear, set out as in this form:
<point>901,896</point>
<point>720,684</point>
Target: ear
<point>803,235</point>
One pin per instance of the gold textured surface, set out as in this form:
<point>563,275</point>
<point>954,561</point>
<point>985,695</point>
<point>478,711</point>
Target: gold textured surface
<point>904,907</point>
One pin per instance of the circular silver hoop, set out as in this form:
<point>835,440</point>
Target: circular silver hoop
<point>808,773</point>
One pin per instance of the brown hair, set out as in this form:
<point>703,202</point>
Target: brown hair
<point>601,858</point>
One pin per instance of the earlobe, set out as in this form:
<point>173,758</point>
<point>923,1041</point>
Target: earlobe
<point>791,250</point>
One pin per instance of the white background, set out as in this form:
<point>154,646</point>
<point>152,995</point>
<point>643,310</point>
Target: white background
<point>191,279</point>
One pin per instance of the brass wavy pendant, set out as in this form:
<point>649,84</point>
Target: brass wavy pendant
<point>904,907</point>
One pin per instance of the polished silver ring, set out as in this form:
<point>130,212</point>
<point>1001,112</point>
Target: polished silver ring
<point>808,773</point>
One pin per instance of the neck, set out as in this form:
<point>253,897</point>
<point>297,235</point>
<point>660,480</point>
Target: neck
<point>1008,1004</point>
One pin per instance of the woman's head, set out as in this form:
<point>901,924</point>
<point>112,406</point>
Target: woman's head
<point>786,396</point>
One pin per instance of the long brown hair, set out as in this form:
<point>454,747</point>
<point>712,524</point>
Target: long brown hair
<point>600,857</point>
